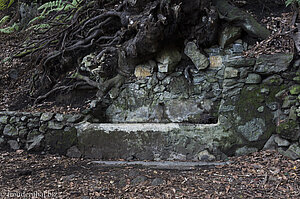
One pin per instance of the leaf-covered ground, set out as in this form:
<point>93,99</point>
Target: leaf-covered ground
<point>260,175</point>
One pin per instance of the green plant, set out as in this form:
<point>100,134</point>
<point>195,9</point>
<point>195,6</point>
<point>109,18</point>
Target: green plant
<point>4,20</point>
<point>47,15</point>
<point>10,29</point>
<point>51,7</point>
<point>5,4</point>
<point>289,2</point>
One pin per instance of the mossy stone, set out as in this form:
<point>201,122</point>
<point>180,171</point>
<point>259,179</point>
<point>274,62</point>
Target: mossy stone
<point>250,101</point>
<point>295,89</point>
<point>4,119</point>
<point>297,79</point>
<point>61,140</point>
<point>289,130</point>
<point>32,134</point>
<point>293,151</point>
<point>10,131</point>
<point>274,80</point>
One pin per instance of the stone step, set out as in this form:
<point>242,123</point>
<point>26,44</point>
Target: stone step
<point>163,165</point>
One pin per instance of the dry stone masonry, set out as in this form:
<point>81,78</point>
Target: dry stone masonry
<point>181,106</point>
<point>38,131</point>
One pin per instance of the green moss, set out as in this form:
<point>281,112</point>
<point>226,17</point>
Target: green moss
<point>215,109</point>
<point>250,99</point>
<point>273,91</point>
<point>297,79</point>
<point>275,81</point>
<point>288,129</point>
<point>230,143</point>
<point>249,102</point>
<point>295,89</point>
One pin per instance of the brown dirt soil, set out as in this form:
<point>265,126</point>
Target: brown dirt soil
<point>16,79</point>
<point>260,175</point>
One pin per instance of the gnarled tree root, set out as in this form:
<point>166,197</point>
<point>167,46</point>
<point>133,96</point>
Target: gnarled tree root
<point>115,82</point>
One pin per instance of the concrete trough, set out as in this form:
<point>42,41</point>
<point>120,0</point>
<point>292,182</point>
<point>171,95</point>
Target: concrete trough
<point>150,141</point>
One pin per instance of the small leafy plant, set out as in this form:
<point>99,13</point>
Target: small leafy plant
<point>289,2</point>
<point>5,4</point>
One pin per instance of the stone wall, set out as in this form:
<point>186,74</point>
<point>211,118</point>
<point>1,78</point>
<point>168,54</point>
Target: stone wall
<point>43,132</point>
<point>202,109</point>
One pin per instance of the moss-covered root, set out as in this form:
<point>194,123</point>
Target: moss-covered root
<point>244,20</point>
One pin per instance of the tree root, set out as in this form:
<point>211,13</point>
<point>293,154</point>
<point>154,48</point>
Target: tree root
<point>88,81</point>
<point>115,82</point>
<point>105,87</point>
<point>60,88</point>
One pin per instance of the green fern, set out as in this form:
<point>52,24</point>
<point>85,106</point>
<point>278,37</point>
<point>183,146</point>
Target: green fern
<point>289,2</point>
<point>42,22</point>
<point>6,60</point>
<point>10,29</point>
<point>4,20</point>
<point>72,5</point>
<point>40,27</point>
<point>36,19</point>
<point>57,5</point>
<point>50,7</point>
<point>4,4</point>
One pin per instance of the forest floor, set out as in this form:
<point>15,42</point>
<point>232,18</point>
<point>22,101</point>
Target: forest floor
<point>260,175</point>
